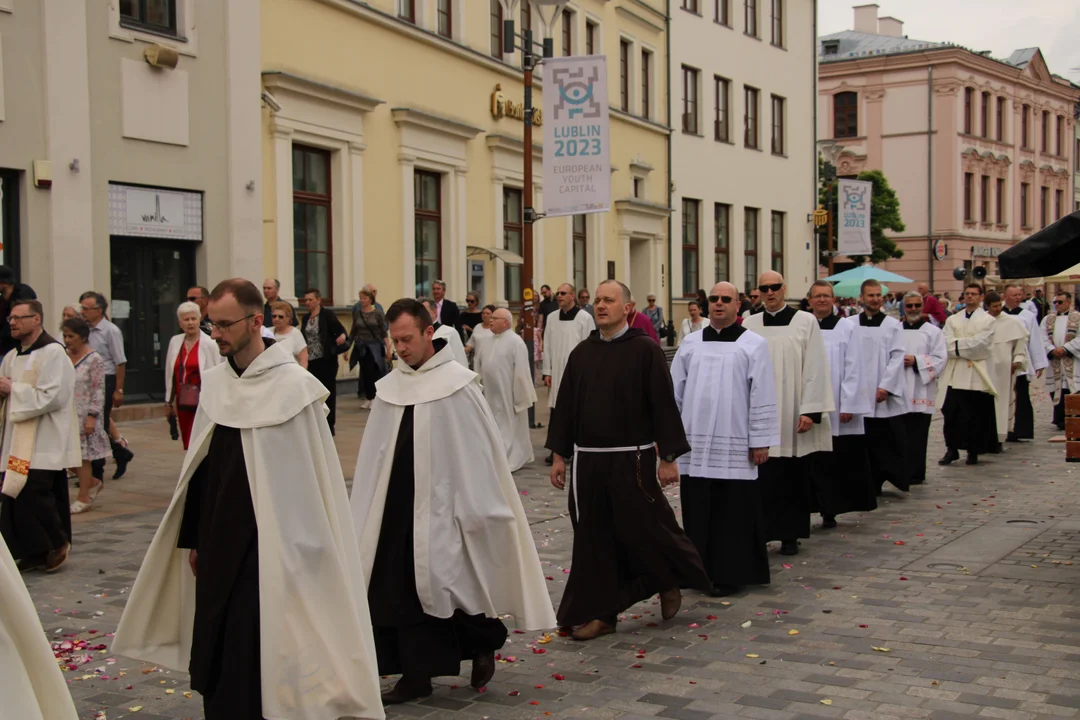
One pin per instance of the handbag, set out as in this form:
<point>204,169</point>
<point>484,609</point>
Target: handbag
<point>187,396</point>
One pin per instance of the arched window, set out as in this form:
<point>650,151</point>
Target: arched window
<point>845,114</point>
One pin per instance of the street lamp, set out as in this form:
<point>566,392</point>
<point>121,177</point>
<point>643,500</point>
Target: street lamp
<point>549,13</point>
<point>830,151</point>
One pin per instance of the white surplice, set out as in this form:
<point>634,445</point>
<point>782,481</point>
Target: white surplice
<point>31,684</point>
<point>927,344</point>
<point>803,385</point>
<point>726,395</point>
<point>1009,346</point>
<point>968,342</point>
<point>317,654</point>
<point>846,369</point>
<point>453,340</point>
<point>503,365</point>
<point>50,399</point>
<point>1036,345</point>
<point>882,350</point>
<point>560,338</point>
<point>473,548</point>
<point>479,336</point>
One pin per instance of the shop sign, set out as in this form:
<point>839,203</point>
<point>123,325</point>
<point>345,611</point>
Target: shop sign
<point>502,106</point>
<point>155,212</point>
<point>990,251</point>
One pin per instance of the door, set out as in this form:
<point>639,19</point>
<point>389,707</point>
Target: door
<point>10,240</point>
<point>149,281</point>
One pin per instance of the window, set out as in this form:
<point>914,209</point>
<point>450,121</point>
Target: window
<point>1045,145</point>
<point>496,29</point>
<point>750,225</point>
<point>984,115</point>
<point>1044,206</point>
<point>722,221</point>
<point>999,202</point>
<point>750,17</point>
<point>407,10</point>
<point>969,101</point>
<point>777,125</point>
<point>778,242</point>
<point>845,115</point>
<point>689,102</point>
<point>750,117</point>
<point>590,37</point>
<point>721,124</point>
<point>720,12</point>
<point>580,234</point>
<point>778,23</point>
<point>1059,137</point>
<point>1000,119</point>
<point>1025,205</point>
<point>513,234</point>
<point>156,15</point>
<point>427,211</point>
<point>969,197</point>
<point>1025,127</point>
<point>639,187</point>
<point>646,82</point>
<point>691,5</point>
<point>526,16</point>
<point>1058,197</point>
<point>984,198</point>
<point>445,12</point>
<point>567,33</point>
<point>311,220</point>
<point>624,76</point>
<point>1076,156</point>
<point>690,222</point>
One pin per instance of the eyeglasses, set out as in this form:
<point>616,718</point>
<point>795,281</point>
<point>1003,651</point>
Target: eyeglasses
<point>775,287</point>
<point>912,306</point>
<point>223,326</point>
<point>19,317</point>
<point>720,298</point>
<point>562,292</point>
<point>278,317</point>
<point>89,307</point>
<point>821,296</point>
<point>1061,302</point>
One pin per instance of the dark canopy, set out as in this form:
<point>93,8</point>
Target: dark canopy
<point>1048,252</point>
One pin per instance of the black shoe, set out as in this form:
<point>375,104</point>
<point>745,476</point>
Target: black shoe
<point>972,459</point>
<point>549,459</point>
<point>483,669</point>
<point>828,523</point>
<point>789,547</point>
<point>724,590</point>
<point>950,457</point>
<point>1011,437</point>
<point>123,457</point>
<point>406,691</point>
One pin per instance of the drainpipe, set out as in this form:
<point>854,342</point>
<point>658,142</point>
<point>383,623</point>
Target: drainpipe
<point>930,173</point>
<point>815,251</point>
<point>670,278</point>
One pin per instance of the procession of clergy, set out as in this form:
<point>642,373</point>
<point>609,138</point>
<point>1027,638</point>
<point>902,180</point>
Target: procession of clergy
<point>262,555</point>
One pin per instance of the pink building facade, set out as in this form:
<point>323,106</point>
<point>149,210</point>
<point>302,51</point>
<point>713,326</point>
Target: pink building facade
<point>979,150</point>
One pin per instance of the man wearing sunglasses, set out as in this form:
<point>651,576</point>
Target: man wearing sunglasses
<point>804,398</point>
<point>1023,425</point>
<point>966,392</point>
<point>924,362</point>
<point>726,394</point>
<point>563,331</point>
<point>1060,329</point>
<point>201,297</point>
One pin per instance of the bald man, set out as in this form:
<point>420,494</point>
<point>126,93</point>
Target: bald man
<point>272,292</point>
<point>804,398</point>
<point>503,365</point>
<point>563,331</point>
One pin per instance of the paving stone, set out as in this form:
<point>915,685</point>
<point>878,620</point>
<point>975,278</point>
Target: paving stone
<point>773,703</point>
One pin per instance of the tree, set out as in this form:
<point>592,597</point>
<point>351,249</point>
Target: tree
<point>884,213</point>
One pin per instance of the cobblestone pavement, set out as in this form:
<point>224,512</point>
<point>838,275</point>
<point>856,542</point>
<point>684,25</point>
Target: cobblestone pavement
<point>958,600</point>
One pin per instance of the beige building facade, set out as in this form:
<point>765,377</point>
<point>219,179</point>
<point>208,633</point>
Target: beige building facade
<point>393,149</point>
<point>118,175</point>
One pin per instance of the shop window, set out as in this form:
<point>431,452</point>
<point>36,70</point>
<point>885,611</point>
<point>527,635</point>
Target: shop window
<point>312,227</point>
<point>427,208</point>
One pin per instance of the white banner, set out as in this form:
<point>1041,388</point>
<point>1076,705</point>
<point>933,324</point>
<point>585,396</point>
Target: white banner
<point>853,233</point>
<point>577,164</point>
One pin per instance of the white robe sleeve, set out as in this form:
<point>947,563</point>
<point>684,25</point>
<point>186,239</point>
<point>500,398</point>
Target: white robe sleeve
<point>932,364</point>
<point>852,398</point>
<point>679,372</point>
<point>524,392</point>
<point>817,393</point>
<point>545,356</point>
<point>55,384</point>
<point>971,347</point>
<point>892,381</point>
<point>764,420</point>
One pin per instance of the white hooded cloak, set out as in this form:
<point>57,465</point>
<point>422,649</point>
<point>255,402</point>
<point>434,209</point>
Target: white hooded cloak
<point>1010,343</point>
<point>503,365</point>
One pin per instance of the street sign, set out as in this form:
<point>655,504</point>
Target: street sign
<point>854,231</point>
<point>577,151</point>
<point>821,216</point>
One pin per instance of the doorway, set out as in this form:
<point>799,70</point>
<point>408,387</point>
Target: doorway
<point>10,236</point>
<point>641,277</point>
<point>149,281</point>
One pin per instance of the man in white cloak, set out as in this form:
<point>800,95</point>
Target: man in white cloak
<point>271,617</point>
<point>841,477</point>
<point>924,362</point>
<point>31,684</point>
<point>966,392</point>
<point>503,365</point>
<point>1008,358</point>
<point>881,344</point>
<point>1023,425</point>
<point>443,537</point>
<point>1061,334</point>
<point>447,333</point>
<point>726,394</point>
<point>563,330</point>
<point>804,397</point>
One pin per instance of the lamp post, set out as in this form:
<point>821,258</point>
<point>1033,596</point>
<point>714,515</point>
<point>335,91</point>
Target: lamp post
<point>549,12</point>
<point>830,151</point>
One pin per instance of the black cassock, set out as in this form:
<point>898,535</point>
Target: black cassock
<point>886,437</point>
<point>219,522</point>
<point>1024,419</point>
<point>627,543</point>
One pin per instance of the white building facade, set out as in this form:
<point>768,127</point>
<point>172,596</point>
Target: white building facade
<point>743,74</point>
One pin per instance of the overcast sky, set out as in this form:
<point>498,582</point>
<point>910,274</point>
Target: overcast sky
<point>1000,26</point>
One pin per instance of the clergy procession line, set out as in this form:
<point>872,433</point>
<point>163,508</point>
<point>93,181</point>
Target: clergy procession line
<point>262,553</point>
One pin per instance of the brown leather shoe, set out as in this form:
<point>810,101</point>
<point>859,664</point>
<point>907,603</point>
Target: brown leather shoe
<point>670,602</point>
<point>407,690</point>
<point>592,630</point>
<point>483,669</point>
<point>57,557</point>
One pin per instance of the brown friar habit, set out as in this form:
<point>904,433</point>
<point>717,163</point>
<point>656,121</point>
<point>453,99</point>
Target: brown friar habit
<point>219,522</point>
<point>627,542</point>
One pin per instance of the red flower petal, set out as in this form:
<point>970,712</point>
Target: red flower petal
<point>557,676</point>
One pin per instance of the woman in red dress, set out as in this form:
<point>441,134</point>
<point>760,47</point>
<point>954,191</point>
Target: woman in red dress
<point>190,353</point>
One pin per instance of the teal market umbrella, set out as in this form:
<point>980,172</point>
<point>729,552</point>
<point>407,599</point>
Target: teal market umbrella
<point>852,289</point>
<point>867,272</point>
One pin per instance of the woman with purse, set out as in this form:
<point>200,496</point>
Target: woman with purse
<point>371,345</point>
<point>89,407</point>
<point>190,353</point>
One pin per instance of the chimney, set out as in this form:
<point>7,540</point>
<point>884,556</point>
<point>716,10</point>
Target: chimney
<point>866,19</point>
<point>890,26</point>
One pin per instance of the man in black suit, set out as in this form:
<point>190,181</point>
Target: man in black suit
<point>449,314</point>
<point>324,334</point>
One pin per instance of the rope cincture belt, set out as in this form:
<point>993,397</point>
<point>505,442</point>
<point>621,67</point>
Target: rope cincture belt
<point>629,448</point>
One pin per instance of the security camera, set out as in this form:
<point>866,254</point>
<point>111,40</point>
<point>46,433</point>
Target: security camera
<point>271,101</point>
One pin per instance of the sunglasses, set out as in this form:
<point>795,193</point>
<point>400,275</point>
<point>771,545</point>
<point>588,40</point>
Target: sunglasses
<point>912,306</point>
<point>720,298</point>
<point>1060,302</point>
<point>194,299</point>
<point>562,292</point>
<point>775,287</point>
<point>278,317</point>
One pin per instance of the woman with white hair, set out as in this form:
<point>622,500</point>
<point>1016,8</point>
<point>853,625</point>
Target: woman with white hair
<point>286,332</point>
<point>190,353</point>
